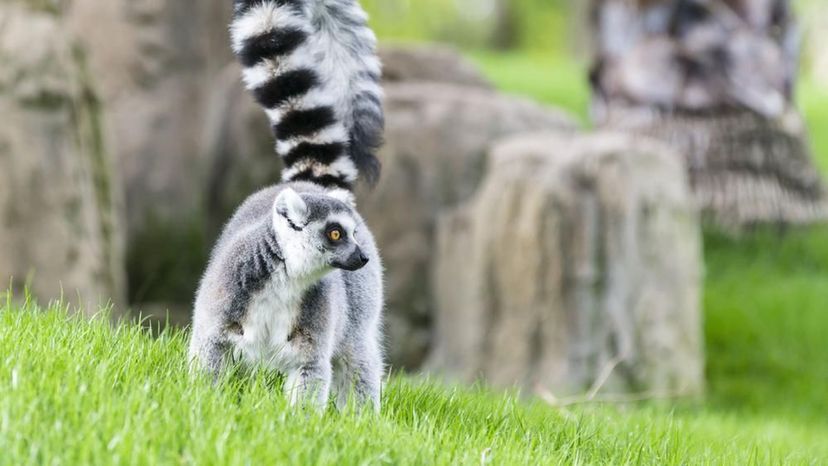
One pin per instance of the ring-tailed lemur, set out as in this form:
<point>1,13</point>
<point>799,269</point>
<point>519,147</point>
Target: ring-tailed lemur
<point>295,282</point>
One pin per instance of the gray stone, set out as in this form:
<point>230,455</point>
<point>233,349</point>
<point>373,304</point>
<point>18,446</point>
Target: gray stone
<point>437,138</point>
<point>578,257</point>
<point>59,202</point>
<point>156,62</point>
<point>432,63</point>
<point>239,148</point>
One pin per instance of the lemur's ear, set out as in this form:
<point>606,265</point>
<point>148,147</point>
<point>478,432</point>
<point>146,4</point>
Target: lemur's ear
<point>291,206</point>
<point>343,195</point>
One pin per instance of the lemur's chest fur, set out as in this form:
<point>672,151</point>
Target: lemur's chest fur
<point>270,318</point>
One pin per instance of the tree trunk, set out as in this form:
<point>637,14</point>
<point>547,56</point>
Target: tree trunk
<point>714,78</point>
<point>505,32</point>
<point>58,204</point>
<point>576,265</point>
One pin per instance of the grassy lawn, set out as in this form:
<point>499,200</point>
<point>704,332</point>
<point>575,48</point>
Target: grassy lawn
<point>79,392</point>
<point>766,321</point>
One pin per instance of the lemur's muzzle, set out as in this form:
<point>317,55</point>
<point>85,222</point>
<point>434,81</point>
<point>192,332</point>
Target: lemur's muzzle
<point>354,262</point>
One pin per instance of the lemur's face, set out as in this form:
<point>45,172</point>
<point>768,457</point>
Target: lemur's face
<point>318,231</point>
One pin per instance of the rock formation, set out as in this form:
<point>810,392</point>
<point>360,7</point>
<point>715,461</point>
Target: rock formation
<point>577,264</point>
<point>59,201</point>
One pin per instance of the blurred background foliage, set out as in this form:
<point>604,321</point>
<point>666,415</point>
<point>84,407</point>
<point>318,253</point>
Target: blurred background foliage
<point>546,51</point>
<point>539,25</point>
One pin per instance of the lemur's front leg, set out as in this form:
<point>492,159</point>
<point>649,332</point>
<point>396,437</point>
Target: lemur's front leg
<point>310,384</point>
<point>310,381</point>
<point>312,343</point>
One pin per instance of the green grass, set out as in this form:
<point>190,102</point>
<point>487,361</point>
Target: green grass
<point>766,302</point>
<point>554,79</point>
<point>813,100</point>
<point>536,24</point>
<point>81,392</point>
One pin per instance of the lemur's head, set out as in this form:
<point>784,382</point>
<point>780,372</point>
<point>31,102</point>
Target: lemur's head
<point>316,231</point>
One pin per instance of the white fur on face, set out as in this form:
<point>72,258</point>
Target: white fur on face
<point>302,250</point>
<point>305,250</point>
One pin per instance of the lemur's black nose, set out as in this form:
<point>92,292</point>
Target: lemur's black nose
<point>355,261</point>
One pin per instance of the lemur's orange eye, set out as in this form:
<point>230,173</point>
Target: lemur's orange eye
<point>335,235</point>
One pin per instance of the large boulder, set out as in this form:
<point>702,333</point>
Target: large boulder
<point>437,137</point>
<point>432,63</point>
<point>59,203</point>
<point>239,149</point>
<point>155,61</point>
<point>576,265</point>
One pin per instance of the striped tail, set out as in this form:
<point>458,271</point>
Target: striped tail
<point>312,65</point>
